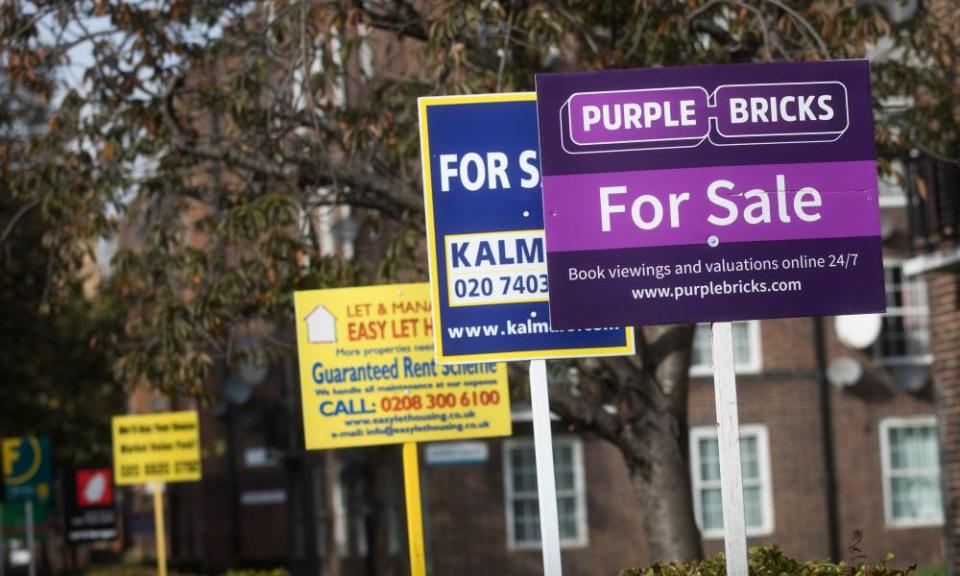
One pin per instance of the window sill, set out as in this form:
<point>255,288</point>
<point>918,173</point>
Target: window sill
<point>901,524</point>
<point>893,361</point>
<point>897,201</point>
<point>707,371</point>
<point>536,547</point>
<point>751,533</point>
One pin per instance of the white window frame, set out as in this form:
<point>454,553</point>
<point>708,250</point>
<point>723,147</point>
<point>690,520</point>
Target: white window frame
<point>754,366</point>
<point>579,492</point>
<point>759,431</point>
<point>905,311</point>
<point>893,200</point>
<point>887,471</point>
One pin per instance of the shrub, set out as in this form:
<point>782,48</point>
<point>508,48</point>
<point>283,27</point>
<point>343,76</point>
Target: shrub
<point>769,561</point>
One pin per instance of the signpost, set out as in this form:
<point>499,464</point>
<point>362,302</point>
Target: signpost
<point>27,473</point>
<point>712,193</point>
<point>488,272</point>
<point>89,506</point>
<point>157,448</point>
<point>368,377</point>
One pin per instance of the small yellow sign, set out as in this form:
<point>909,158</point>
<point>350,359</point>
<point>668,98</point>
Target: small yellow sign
<point>368,375</point>
<point>163,447</point>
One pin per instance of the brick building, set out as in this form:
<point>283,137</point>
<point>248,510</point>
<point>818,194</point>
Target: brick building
<point>935,231</point>
<point>882,435</point>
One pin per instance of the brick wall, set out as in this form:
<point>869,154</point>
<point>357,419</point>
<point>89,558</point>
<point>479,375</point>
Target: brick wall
<point>467,524</point>
<point>943,288</point>
<point>467,521</point>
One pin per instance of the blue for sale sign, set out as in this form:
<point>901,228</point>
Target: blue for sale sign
<point>488,272</point>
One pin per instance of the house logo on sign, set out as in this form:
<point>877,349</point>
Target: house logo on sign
<point>321,326</point>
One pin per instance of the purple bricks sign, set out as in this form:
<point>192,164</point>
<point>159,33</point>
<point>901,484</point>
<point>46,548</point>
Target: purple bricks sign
<point>711,193</point>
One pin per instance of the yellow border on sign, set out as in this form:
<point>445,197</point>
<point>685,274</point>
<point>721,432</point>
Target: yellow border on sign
<point>422,104</point>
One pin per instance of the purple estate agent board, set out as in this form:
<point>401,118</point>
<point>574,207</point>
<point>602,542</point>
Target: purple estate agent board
<point>712,193</point>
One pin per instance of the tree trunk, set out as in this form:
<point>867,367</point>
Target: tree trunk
<point>661,482</point>
<point>648,424</point>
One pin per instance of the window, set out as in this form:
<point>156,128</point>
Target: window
<point>520,482</point>
<point>911,471</point>
<point>757,486</point>
<point>905,336</point>
<point>746,349</point>
<point>890,186</point>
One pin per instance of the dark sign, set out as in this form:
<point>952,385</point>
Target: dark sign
<point>711,193</point>
<point>89,506</point>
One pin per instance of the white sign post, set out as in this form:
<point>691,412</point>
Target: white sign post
<point>546,483</point>
<point>611,261</point>
<point>728,441</point>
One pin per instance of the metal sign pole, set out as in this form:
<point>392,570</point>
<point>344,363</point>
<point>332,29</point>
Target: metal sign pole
<point>411,485</point>
<point>728,441</point>
<point>28,508</point>
<point>3,549</point>
<point>546,483</point>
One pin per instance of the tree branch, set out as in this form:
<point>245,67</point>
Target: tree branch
<point>404,19</point>
<point>934,154</point>
<point>805,25</point>
<point>673,338</point>
<point>8,229</point>
<point>589,415</point>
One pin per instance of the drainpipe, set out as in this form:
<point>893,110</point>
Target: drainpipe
<point>826,433</point>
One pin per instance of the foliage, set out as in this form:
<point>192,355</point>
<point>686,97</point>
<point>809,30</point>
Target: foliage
<point>204,137</point>
<point>769,561</point>
<point>54,369</point>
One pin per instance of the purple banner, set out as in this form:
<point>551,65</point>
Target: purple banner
<point>654,178</point>
<point>731,203</point>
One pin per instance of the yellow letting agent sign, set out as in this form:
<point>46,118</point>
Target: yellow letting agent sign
<point>163,447</point>
<point>368,375</point>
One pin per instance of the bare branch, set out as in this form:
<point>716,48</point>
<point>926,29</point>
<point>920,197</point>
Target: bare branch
<point>673,338</point>
<point>505,50</point>
<point>935,155</point>
<point>805,25</point>
<point>8,229</point>
<point>403,19</point>
<point>589,415</point>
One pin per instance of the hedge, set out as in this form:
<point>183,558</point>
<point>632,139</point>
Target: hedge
<point>769,561</point>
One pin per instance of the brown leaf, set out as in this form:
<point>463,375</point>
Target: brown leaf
<point>108,150</point>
